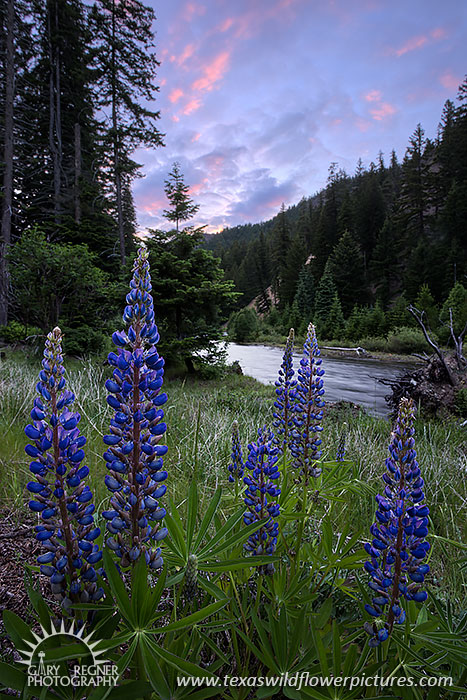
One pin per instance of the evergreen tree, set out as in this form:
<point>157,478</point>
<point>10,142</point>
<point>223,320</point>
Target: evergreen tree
<point>182,206</point>
<point>124,53</point>
<point>304,299</point>
<point>280,249</point>
<point>296,257</point>
<point>324,301</point>
<point>457,303</point>
<point>347,269</point>
<point>425,302</point>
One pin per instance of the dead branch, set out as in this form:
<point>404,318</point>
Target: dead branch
<point>419,316</point>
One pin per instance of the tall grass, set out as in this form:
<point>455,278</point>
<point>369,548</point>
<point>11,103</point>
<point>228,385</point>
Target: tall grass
<point>200,416</point>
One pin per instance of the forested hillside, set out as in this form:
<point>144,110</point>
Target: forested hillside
<point>389,234</point>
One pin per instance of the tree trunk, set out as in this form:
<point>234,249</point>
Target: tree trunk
<point>8,160</point>
<point>53,124</point>
<point>77,194</point>
<point>116,148</point>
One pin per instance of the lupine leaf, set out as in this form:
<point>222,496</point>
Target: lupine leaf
<point>192,619</point>
<point>118,588</point>
<point>207,519</point>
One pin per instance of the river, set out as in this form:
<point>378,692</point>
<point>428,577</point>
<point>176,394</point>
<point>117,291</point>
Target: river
<point>354,380</point>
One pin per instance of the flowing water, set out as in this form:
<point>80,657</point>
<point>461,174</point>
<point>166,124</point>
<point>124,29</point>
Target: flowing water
<point>354,380</point>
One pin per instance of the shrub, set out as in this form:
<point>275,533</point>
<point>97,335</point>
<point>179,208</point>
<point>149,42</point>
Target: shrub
<point>15,332</point>
<point>460,402</point>
<point>245,326</point>
<point>406,340</point>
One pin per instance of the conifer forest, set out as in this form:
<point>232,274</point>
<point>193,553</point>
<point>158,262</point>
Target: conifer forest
<point>191,506</point>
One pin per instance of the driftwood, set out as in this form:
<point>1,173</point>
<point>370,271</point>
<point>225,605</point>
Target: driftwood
<point>357,350</point>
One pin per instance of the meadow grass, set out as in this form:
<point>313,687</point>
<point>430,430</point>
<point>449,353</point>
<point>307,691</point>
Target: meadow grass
<point>199,415</point>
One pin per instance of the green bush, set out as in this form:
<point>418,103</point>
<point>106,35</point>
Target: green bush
<point>460,402</point>
<point>244,326</point>
<point>15,332</point>
<point>406,340</point>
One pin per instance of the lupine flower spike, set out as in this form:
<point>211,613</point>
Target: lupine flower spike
<point>236,466</point>
<point>285,392</point>
<point>308,410</point>
<point>340,454</point>
<point>134,455</point>
<point>259,495</point>
<point>60,495</point>
<point>399,546</point>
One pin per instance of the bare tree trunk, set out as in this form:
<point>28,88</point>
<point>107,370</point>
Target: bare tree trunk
<point>53,124</point>
<point>418,316</point>
<point>8,160</point>
<point>77,194</point>
<point>117,172</point>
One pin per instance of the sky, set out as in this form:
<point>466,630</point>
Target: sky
<point>259,97</point>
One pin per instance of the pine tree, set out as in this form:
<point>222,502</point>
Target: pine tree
<point>425,302</point>
<point>124,49</point>
<point>348,274</point>
<point>280,248</point>
<point>182,206</point>
<point>296,257</point>
<point>325,299</point>
<point>305,295</point>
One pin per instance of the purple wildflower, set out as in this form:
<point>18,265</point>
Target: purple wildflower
<point>60,495</point>
<point>399,546</point>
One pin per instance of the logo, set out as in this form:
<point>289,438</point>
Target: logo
<point>58,662</point>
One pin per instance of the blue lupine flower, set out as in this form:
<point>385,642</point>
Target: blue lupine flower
<point>59,492</point>
<point>308,410</point>
<point>285,392</point>
<point>260,492</point>
<point>236,466</point>
<point>340,454</point>
<point>134,455</point>
<point>399,546</point>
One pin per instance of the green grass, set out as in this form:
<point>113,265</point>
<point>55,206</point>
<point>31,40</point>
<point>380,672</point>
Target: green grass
<point>200,415</point>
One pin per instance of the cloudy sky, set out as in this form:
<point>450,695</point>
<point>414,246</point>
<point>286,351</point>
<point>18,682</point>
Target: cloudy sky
<point>258,97</point>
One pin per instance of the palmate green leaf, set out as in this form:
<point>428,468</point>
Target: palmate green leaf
<point>40,607</point>
<point>118,588</point>
<point>176,530</point>
<point>192,513</point>
<point>176,662</point>
<point>148,598</point>
<point>319,646</point>
<point>192,619</point>
<point>18,630</point>
<point>208,517</point>
<point>211,588</point>
<point>130,689</point>
<point>234,564</point>
<point>153,670</point>
<point>221,532</point>
<point>12,678</point>
<point>324,613</point>
<point>234,540</point>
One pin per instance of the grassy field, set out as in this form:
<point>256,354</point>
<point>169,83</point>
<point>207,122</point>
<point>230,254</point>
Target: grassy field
<point>199,415</point>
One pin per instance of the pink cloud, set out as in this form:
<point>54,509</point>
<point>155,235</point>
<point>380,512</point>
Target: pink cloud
<point>416,42</point>
<point>382,111</point>
<point>439,33</point>
<point>450,81</point>
<point>191,106</point>
<point>362,125</point>
<point>213,72</point>
<point>191,9</point>
<point>175,95</point>
<point>373,96</point>
<point>195,189</point>
<point>226,24</point>
<point>187,53</point>
<point>195,137</point>
<point>174,118</point>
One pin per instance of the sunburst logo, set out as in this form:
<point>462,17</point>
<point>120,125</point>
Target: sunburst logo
<point>54,671</point>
